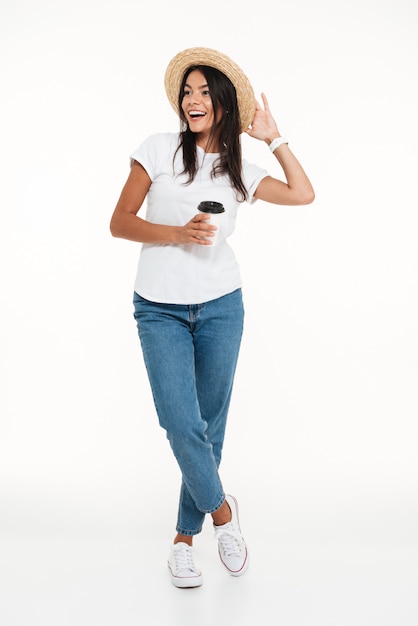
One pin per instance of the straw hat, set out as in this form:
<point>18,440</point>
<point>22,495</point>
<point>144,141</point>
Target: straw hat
<point>206,56</point>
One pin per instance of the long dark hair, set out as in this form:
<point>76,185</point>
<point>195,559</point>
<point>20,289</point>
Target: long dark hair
<point>229,163</point>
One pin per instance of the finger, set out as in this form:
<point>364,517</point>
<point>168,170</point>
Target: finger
<point>205,226</point>
<point>265,102</point>
<point>202,237</point>
<point>202,224</point>
<point>199,217</point>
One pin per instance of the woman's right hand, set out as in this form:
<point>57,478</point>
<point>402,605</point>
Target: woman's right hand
<point>125,222</point>
<point>197,230</point>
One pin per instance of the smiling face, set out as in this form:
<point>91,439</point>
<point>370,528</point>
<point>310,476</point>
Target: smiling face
<point>197,107</point>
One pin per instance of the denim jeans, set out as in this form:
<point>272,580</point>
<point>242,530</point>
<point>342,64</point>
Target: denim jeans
<point>190,353</point>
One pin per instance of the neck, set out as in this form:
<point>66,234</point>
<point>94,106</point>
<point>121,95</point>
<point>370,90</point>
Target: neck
<point>208,150</point>
<point>208,144</point>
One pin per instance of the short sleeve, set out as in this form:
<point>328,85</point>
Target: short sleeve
<point>253,175</point>
<point>149,154</point>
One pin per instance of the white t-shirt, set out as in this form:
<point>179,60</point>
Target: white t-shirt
<point>187,274</point>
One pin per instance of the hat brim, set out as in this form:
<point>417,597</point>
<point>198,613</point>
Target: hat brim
<point>206,56</point>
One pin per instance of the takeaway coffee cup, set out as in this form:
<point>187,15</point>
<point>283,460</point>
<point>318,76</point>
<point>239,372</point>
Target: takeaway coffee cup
<point>215,210</point>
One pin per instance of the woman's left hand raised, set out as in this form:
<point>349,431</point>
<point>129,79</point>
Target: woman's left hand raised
<point>263,126</point>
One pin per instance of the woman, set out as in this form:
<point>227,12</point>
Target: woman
<point>187,299</point>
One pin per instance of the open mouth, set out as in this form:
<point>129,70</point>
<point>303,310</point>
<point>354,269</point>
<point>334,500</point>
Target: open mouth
<point>196,115</point>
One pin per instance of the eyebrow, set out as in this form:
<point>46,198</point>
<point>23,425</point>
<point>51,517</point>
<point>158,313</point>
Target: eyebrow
<point>201,86</point>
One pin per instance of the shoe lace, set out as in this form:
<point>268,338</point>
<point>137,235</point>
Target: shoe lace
<point>183,558</point>
<point>230,541</point>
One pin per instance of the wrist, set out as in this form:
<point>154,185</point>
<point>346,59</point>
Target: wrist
<point>277,141</point>
<point>269,140</point>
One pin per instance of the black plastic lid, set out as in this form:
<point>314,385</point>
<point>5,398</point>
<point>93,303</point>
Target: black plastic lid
<point>208,206</point>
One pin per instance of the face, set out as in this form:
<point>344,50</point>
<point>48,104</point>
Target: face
<point>197,105</point>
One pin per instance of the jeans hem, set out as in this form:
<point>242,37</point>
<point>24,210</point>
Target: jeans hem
<point>187,533</point>
<point>190,533</point>
<point>218,506</point>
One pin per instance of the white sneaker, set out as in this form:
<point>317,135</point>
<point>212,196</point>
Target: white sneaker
<point>232,548</point>
<point>184,572</point>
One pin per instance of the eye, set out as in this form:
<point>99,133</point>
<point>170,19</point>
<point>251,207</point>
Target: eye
<point>205,92</point>
<point>186,92</point>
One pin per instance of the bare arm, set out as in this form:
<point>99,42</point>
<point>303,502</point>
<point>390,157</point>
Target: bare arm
<point>297,189</point>
<point>126,224</point>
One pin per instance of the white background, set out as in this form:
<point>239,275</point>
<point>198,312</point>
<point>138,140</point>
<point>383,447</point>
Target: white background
<point>321,448</point>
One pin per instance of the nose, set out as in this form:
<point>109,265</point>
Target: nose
<point>194,98</point>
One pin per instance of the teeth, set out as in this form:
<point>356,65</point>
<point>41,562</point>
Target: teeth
<point>196,113</point>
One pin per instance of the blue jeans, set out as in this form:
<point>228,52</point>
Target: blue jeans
<point>190,353</point>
